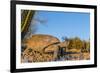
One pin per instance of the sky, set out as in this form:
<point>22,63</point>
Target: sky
<point>64,24</point>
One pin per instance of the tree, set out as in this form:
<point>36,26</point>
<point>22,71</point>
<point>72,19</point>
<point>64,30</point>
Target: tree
<point>75,43</point>
<point>86,46</point>
<point>65,38</point>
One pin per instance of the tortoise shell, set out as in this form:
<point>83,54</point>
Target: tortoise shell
<point>34,51</point>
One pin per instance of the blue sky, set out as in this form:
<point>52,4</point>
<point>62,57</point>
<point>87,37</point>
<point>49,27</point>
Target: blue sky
<point>61,24</point>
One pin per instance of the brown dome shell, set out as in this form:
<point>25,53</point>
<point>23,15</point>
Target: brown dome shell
<point>39,41</point>
<point>35,48</point>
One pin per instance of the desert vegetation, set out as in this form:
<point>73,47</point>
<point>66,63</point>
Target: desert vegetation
<point>46,48</point>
